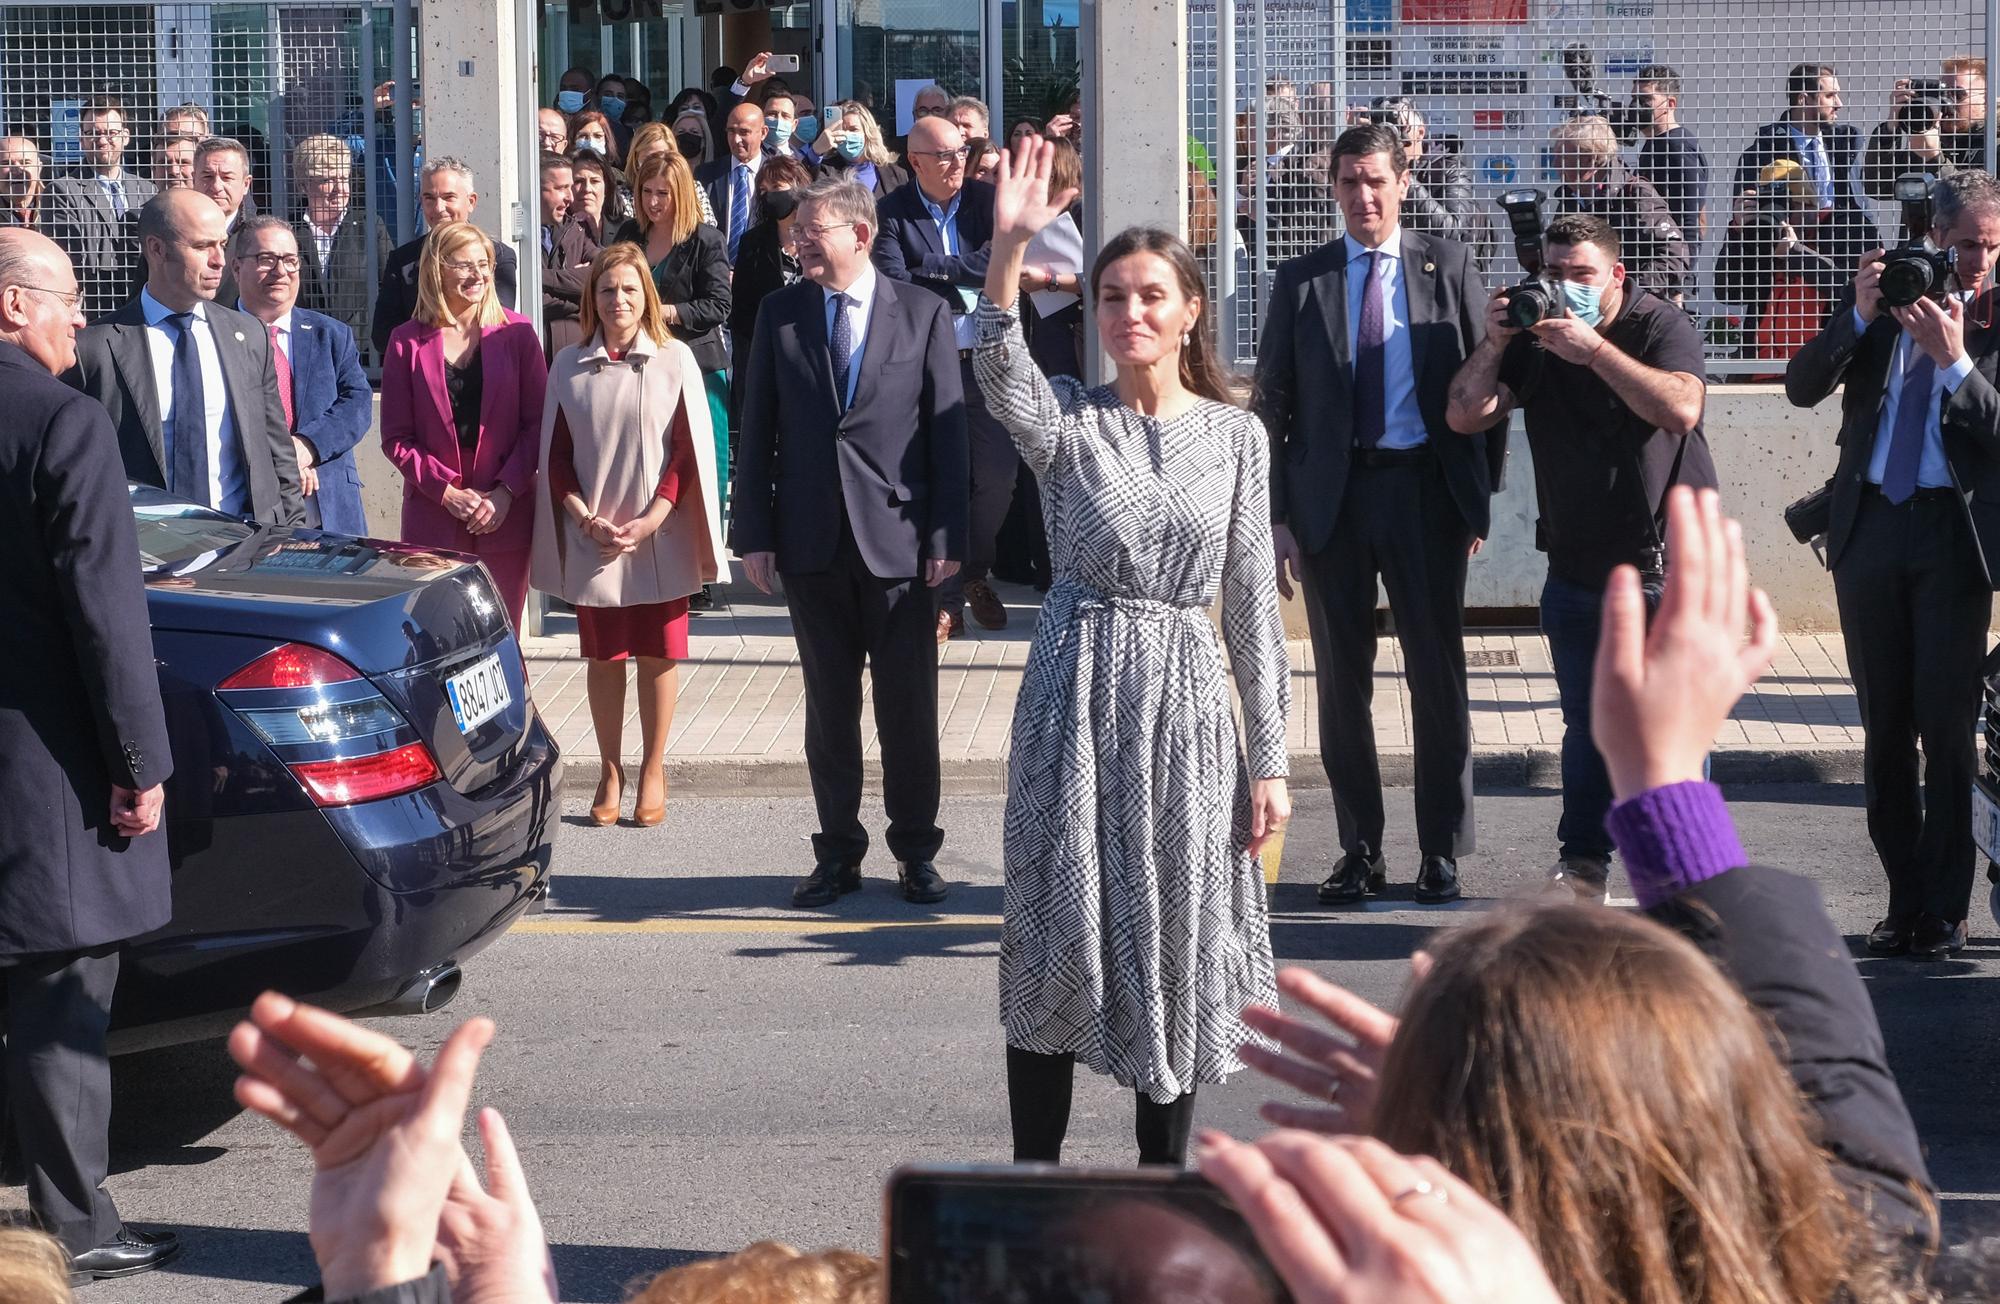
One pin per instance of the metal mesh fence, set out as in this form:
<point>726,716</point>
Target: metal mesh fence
<point>105,103</point>
<point>1746,150</point>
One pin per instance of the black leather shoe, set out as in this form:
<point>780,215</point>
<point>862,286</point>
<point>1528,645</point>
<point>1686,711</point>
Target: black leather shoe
<point>1934,939</point>
<point>921,884</point>
<point>1359,874</point>
<point>1891,936</point>
<point>127,1254</point>
<point>829,881</point>
<point>1437,881</point>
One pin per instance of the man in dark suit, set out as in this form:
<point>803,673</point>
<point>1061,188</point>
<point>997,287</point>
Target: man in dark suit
<point>937,234</point>
<point>190,384</point>
<point>1811,135</point>
<point>94,215</point>
<point>1914,546</point>
<point>447,195</point>
<point>567,251</point>
<point>328,405</point>
<point>82,863</point>
<point>851,485</point>
<point>333,237</point>
<point>1368,481</point>
<point>731,181</point>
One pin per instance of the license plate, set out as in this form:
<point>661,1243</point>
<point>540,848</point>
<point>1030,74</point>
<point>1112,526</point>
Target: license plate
<point>478,694</point>
<point>1985,823</point>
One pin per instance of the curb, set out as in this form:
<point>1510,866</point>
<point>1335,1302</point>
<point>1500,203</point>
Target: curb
<point>1536,768</point>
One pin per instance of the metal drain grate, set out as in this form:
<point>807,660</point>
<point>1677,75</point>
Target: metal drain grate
<point>1489,659</point>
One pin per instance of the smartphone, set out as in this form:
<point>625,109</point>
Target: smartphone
<point>995,1234</point>
<point>783,63</point>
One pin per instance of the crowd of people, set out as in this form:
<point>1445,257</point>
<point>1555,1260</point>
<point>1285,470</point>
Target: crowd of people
<point>767,334</point>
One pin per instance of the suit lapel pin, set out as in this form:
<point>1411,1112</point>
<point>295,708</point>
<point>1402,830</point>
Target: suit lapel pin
<point>1430,267</point>
<point>239,337</point>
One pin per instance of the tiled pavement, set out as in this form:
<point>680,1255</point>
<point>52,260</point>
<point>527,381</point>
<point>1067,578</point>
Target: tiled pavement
<point>740,723</point>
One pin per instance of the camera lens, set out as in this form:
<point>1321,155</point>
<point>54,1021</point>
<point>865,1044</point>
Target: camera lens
<point>1906,278</point>
<point>1529,304</point>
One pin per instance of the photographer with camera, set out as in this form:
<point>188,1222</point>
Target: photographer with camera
<point>1937,126</point>
<point>1609,376</point>
<point>1440,200</point>
<point>1671,160</point>
<point>1913,536</point>
<point>1785,261</point>
<point>1594,183</point>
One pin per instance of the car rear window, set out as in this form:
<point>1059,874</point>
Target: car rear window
<point>174,534</point>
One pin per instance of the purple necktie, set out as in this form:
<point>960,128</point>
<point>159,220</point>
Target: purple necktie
<point>1906,438</point>
<point>1370,384</point>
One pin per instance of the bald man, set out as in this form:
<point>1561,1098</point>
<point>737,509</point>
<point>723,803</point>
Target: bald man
<point>83,861</point>
<point>20,182</point>
<point>190,384</point>
<point>936,234</point>
<point>731,181</point>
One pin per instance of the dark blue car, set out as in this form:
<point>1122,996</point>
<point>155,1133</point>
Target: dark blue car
<point>363,795</point>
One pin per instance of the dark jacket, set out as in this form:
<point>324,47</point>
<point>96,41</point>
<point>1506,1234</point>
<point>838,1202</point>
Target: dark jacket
<point>565,267</point>
<point>1653,248</point>
<point>909,246</point>
<point>694,279</point>
<point>1971,417</point>
<point>341,291</point>
<point>77,215</point>
<point>114,365</point>
<point>1888,156</point>
<point>1843,148</point>
<point>762,269</point>
<point>334,409</point>
<point>1825,258</point>
<point>1440,200</point>
<point>895,464</point>
<point>397,297</point>
<point>1305,373</point>
<point>80,700</point>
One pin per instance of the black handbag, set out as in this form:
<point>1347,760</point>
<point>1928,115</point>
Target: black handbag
<point>1811,517</point>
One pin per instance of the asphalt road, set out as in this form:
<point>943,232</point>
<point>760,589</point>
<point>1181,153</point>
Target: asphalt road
<point>688,1068</point>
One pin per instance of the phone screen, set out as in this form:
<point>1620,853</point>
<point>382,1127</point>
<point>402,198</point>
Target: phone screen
<point>1055,1236</point>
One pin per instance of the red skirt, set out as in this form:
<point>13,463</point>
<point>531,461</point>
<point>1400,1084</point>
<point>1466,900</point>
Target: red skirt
<point>650,629</point>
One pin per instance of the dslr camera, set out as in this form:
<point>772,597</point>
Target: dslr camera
<point>1770,207</point>
<point>1930,98</point>
<point>1538,298</point>
<point>1914,269</point>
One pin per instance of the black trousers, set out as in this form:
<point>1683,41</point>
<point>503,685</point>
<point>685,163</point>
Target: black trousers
<point>1038,1099</point>
<point>59,1088</point>
<point>1914,612</point>
<point>841,616</point>
<point>1400,523</point>
<point>995,463</point>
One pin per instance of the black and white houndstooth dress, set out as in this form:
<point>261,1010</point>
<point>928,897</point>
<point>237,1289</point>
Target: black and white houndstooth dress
<point>1135,925</point>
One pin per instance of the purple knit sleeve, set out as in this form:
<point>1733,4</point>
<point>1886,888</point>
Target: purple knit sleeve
<point>1674,837</point>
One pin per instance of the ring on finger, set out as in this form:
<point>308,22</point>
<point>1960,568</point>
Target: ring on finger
<point>1421,1189</point>
<point>1333,1090</point>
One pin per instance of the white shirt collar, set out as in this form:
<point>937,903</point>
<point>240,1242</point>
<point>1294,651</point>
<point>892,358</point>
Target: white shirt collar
<point>755,162</point>
<point>1391,246</point>
<point>284,323</point>
<point>157,312</point>
<point>862,292</point>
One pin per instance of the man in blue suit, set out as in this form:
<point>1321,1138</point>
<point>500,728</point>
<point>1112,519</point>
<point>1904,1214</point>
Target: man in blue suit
<point>327,401</point>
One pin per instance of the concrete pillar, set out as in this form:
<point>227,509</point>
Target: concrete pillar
<point>469,56</point>
<point>1137,49</point>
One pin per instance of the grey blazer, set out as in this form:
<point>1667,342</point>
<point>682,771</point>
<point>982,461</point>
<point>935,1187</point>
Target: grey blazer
<point>114,366</point>
<point>104,247</point>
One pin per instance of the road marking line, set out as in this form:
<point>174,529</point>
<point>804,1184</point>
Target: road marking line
<point>573,927</point>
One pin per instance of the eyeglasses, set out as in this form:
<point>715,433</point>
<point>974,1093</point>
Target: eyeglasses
<point>463,269</point>
<point>943,156</point>
<point>820,231</point>
<point>921,111</point>
<point>113,133</point>
<point>272,262</point>
<point>71,298</point>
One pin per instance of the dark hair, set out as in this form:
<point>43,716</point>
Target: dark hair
<point>1572,229</point>
<point>1368,138</point>
<point>1201,367</point>
<point>1802,82</point>
<point>583,117</point>
<point>99,104</point>
<point>552,160</point>
<point>609,77</point>
<point>722,75</point>
<point>583,159</point>
<point>250,230</point>
<point>1664,80</point>
<point>782,173</point>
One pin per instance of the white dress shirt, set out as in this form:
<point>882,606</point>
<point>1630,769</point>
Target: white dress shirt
<point>1403,422</point>
<point>1932,470</point>
<point>228,480</point>
<point>860,302</point>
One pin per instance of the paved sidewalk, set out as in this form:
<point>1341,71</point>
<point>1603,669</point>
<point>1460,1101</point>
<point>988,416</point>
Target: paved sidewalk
<point>740,724</point>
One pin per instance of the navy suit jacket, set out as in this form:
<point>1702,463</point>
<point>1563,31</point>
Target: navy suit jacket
<point>909,247</point>
<point>334,409</point>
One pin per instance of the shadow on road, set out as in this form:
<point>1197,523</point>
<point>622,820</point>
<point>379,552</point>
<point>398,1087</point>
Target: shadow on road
<point>164,1101</point>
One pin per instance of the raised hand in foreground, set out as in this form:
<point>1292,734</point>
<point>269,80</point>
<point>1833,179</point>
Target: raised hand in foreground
<point>1339,1072</point>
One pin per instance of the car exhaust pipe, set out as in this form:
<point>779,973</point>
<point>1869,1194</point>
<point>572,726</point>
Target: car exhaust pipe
<point>429,991</point>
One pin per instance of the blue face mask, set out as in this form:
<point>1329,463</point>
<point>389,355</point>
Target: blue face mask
<point>1585,302</point>
<point>779,132</point>
<point>569,101</point>
<point>614,108</point>
<point>851,145</point>
<point>808,129</point>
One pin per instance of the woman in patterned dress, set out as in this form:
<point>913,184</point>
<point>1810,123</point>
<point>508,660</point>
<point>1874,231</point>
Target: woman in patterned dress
<point>1135,922</point>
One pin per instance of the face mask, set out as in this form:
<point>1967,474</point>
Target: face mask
<point>779,203</point>
<point>591,143</point>
<point>569,101</point>
<point>1585,302</point>
<point>779,132</point>
<point>851,145</point>
<point>614,108</point>
<point>808,128</point>
<point>690,144</point>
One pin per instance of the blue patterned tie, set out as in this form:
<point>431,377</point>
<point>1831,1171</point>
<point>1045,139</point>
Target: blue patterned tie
<point>739,208</point>
<point>1371,385</point>
<point>188,477</point>
<point>843,347</point>
<point>1906,438</point>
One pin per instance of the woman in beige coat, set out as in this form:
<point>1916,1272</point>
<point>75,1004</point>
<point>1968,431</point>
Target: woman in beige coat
<point>627,520</point>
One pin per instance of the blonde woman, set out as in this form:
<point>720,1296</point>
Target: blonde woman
<point>628,522</point>
<point>690,262</point>
<point>851,147</point>
<point>467,447</point>
<point>649,142</point>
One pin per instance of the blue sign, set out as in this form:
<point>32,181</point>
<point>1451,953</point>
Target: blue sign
<point>1370,15</point>
<point>1501,169</point>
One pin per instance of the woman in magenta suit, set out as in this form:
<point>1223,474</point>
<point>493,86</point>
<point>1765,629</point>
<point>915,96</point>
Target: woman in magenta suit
<point>462,389</point>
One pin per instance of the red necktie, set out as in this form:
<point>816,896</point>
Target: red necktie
<point>284,378</point>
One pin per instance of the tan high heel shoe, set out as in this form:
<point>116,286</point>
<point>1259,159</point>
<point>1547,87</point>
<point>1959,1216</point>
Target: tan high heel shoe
<point>648,816</point>
<point>604,810</point>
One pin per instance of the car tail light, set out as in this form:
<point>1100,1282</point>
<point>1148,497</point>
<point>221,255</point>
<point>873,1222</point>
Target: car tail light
<point>305,703</point>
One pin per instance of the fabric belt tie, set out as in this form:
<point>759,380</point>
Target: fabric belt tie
<point>1089,599</point>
